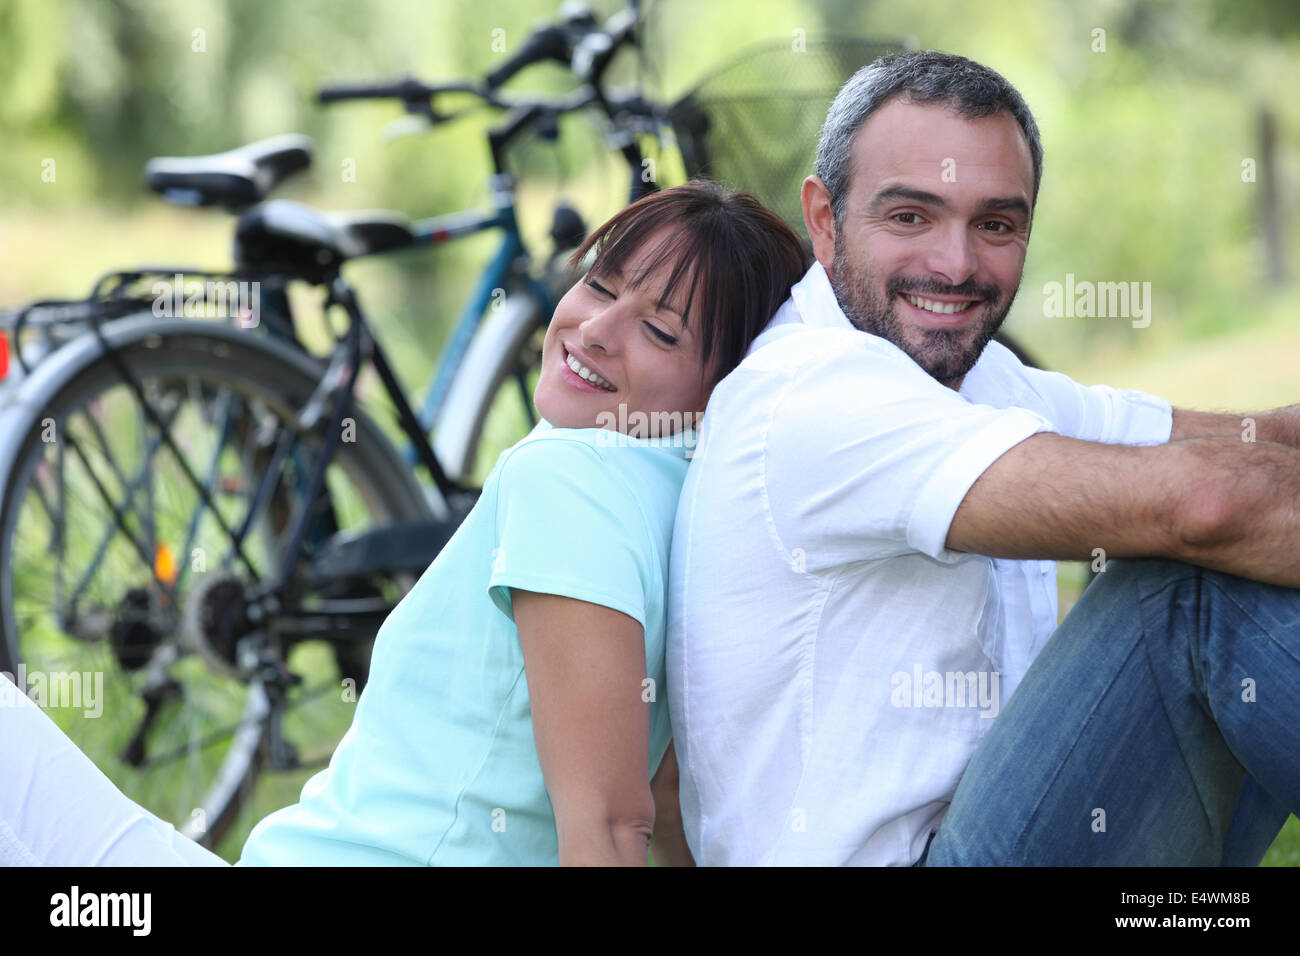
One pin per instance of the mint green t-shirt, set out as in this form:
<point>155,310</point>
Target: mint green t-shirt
<point>439,766</point>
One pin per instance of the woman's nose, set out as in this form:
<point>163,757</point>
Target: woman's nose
<point>602,330</point>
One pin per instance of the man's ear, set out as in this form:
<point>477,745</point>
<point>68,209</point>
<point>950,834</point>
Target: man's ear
<point>819,219</point>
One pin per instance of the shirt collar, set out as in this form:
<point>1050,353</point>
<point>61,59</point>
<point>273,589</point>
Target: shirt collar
<point>681,444</point>
<point>815,300</point>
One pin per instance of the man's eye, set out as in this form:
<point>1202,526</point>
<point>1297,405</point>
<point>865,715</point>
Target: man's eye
<point>660,334</point>
<point>1000,226</point>
<point>906,218</point>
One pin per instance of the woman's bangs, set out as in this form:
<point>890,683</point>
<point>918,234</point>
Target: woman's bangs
<point>683,253</point>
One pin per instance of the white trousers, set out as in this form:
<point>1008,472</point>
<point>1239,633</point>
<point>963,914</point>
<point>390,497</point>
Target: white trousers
<point>58,809</point>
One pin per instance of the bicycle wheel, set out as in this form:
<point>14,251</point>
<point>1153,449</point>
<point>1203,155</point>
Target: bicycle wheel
<point>489,404</point>
<point>106,543</point>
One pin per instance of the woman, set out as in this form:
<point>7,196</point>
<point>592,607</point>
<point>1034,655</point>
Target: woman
<point>515,711</point>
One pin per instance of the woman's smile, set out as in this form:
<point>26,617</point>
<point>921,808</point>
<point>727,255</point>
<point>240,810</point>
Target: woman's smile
<point>578,372</point>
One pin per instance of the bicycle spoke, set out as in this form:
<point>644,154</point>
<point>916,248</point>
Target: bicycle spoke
<point>108,534</point>
<point>194,482</point>
<point>266,488</point>
<point>213,472</point>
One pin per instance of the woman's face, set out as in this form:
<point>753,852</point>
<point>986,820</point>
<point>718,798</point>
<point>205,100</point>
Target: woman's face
<point>610,349</point>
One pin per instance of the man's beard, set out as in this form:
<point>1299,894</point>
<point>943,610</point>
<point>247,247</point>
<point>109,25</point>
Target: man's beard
<point>940,351</point>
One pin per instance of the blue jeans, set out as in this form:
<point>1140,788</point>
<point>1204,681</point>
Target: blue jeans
<point>1160,726</point>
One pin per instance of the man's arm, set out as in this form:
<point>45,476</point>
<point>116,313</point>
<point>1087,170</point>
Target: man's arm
<point>1220,503</point>
<point>1279,425</point>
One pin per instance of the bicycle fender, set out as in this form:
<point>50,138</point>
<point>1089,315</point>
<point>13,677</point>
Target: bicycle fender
<point>486,363</point>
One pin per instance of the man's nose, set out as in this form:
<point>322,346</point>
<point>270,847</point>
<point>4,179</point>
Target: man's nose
<point>952,254</point>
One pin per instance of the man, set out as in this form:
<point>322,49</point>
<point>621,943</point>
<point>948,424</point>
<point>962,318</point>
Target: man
<point>862,567</point>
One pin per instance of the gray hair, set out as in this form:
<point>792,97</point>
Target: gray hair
<point>923,76</point>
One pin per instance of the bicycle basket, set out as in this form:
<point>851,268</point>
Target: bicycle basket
<point>754,122</point>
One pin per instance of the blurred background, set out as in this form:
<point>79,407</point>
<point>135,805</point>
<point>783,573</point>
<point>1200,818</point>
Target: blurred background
<point>1171,132</point>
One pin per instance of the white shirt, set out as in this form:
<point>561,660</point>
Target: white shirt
<point>831,664</point>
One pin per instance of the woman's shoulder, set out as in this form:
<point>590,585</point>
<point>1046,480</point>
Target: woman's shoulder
<point>551,457</point>
<point>597,462</point>
<point>544,446</point>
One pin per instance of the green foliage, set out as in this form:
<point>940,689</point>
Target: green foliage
<point>1144,140</point>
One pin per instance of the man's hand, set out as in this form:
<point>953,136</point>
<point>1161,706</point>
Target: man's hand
<point>1219,503</point>
<point>1280,425</point>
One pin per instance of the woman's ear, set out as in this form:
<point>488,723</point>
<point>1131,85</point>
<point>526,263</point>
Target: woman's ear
<point>819,219</point>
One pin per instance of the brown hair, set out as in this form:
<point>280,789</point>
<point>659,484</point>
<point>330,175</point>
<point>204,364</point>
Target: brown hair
<point>741,259</point>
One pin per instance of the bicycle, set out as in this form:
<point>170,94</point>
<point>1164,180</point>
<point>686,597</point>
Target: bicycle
<point>228,439</point>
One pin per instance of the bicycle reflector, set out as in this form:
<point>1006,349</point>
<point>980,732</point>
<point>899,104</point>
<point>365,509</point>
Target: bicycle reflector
<point>4,356</point>
<point>164,564</point>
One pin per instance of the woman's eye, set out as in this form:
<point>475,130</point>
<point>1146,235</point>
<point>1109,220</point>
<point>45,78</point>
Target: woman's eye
<point>660,334</point>
<point>599,288</point>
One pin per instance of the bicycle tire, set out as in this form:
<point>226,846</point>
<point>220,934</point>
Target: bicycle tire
<point>507,342</point>
<point>281,376</point>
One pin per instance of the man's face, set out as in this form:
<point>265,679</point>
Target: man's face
<point>934,233</point>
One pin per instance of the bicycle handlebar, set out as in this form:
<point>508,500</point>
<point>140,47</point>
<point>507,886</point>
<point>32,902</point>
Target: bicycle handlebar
<point>549,43</point>
<point>366,91</point>
<point>576,40</point>
<point>412,92</point>
<point>554,41</point>
<point>594,52</point>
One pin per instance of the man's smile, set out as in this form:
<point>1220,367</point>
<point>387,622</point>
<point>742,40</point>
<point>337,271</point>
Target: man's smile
<point>941,310</point>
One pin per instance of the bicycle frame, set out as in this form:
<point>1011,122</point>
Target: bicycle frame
<point>507,268</point>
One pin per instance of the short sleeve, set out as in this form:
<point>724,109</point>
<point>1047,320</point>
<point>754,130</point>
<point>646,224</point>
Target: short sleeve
<point>1101,413</point>
<point>567,524</point>
<point>868,457</point>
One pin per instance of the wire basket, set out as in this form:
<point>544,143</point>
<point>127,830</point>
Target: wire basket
<point>754,122</point>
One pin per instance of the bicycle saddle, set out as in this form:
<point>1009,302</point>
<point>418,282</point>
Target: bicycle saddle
<point>235,179</point>
<point>286,236</point>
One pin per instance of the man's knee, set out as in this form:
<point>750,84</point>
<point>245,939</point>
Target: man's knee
<point>1147,574</point>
